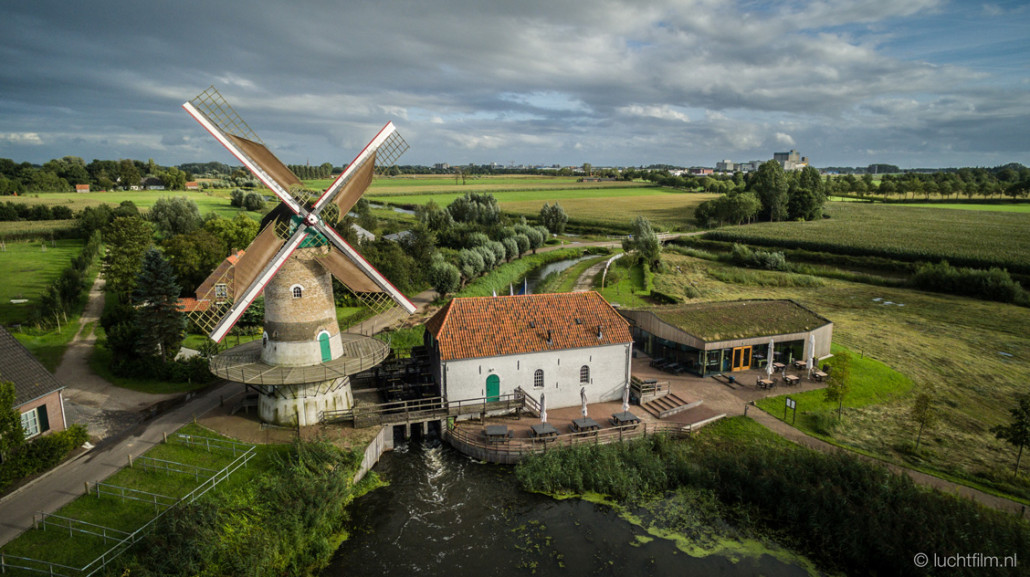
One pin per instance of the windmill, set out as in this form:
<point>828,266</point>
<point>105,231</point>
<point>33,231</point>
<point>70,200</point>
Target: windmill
<point>301,367</point>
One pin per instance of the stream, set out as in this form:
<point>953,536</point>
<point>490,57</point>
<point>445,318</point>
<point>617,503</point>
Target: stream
<point>445,514</point>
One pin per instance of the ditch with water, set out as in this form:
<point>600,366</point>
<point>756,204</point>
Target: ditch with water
<point>445,514</point>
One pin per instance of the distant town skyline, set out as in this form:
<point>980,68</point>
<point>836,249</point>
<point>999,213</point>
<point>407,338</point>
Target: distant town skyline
<point>924,83</point>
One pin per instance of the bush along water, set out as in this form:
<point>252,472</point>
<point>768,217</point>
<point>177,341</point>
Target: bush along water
<point>846,515</point>
<point>288,521</point>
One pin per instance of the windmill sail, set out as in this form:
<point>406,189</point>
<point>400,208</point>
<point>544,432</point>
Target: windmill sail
<point>269,251</point>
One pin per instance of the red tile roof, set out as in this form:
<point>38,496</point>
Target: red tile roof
<point>468,328</point>
<point>190,304</point>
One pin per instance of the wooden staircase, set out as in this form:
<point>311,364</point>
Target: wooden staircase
<point>667,405</point>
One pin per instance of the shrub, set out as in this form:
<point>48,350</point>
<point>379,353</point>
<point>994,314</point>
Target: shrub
<point>253,201</point>
<point>236,197</point>
<point>41,454</point>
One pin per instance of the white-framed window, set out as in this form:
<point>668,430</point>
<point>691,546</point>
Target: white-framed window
<point>584,374</point>
<point>30,423</point>
<point>297,290</point>
<point>221,291</point>
<point>538,378</point>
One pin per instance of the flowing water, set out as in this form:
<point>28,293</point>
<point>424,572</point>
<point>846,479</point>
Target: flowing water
<point>535,276</point>
<point>445,514</point>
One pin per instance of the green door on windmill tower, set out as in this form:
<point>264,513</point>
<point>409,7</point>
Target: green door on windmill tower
<point>493,388</point>
<point>327,353</point>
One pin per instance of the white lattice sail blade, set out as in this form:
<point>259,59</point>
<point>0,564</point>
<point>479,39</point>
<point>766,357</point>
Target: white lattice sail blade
<point>238,139</point>
<point>369,151</point>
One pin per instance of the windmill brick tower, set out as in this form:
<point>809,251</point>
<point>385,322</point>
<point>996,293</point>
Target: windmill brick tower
<point>302,365</point>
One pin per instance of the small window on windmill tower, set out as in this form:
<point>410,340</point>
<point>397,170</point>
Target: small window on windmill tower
<point>298,291</point>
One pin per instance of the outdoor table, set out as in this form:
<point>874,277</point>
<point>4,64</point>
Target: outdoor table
<point>779,366</point>
<point>818,375</point>
<point>544,430</point>
<point>791,379</point>
<point>801,365</point>
<point>585,424</point>
<point>496,433</point>
<point>765,383</point>
<point>624,418</point>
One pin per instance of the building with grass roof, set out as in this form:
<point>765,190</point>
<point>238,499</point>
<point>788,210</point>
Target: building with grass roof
<point>722,337</point>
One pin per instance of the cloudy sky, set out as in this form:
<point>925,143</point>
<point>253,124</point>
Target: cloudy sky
<point>916,83</point>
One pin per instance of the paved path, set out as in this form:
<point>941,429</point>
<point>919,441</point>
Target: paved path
<point>585,281</point>
<point>63,484</point>
<point>89,399</point>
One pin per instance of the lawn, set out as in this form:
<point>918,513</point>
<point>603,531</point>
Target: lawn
<point>29,267</point>
<point>971,356</point>
<point>963,237</point>
<point>872,383</point>
<point>624,284</point>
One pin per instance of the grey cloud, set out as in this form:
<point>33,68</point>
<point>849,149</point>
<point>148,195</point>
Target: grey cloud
<point>542,81</point>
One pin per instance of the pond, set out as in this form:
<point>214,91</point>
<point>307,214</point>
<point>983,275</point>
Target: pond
<point>445,514</point>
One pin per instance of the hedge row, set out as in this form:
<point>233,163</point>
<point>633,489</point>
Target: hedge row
<point>41,454</point>
<point>63,294</point>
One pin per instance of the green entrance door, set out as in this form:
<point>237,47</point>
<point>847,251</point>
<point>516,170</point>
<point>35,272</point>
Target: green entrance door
<point>327,353</point>
<point>493,388</point>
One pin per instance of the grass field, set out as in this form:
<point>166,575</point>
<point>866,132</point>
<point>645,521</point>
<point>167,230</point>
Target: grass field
<point>35,228</point>
<point>1023,208</point>
<point>965,238</point>
<point>28,270</point>
<point>972,356</point>
<point>216,201</point>
<point>586,204</point>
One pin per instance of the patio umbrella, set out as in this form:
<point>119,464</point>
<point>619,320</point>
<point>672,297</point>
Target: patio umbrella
<point>625,398</point>
<point>583,395</point>
<point>543,408</point>
<point>811,354</point>
<point>769,360</point>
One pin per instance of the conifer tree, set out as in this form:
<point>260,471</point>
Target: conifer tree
<point>157,314</point>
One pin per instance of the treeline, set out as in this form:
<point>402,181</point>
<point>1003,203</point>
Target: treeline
<point>308,172</point>
<point>62,174</point>
<point>768,194</point>
<point>14,212</point>
<point>1011,180</point>
<point>287,522</point>
<point>847,515</point>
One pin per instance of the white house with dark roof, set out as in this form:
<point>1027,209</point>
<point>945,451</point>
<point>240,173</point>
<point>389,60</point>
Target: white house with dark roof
<point>37,393</point>
<point>556,344</point>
